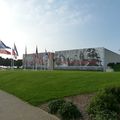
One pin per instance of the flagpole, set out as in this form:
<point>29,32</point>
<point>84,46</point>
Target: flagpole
<point>46,60</point>
<point>36,66</point>
<point>25,57</point>
<point>11,58</point>
<point>36,62</point>
<point>36,58</point>
<point>14,55</point>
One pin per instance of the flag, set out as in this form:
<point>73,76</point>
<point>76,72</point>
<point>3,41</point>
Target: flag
<point>3,46</point>
<point>36,58</point>
<point>45,57</point>
<point>36,52</point>
<point>25,50</point>
<point>46,53</point>
<point>25,58</point>
<point>15,50</point>
<point>4,49</point>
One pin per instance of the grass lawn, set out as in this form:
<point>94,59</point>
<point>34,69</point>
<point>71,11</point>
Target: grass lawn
<point>36,87</point>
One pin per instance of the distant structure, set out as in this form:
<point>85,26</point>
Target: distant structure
<point>77,59</point>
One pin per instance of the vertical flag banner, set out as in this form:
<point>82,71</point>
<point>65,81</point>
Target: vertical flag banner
<point>36,52</point>
<point>36,58</point>
<point>46,53</point>
<point>45,59</point>
<point>15,52</point>
<point>25,57</point>
<point>15,49</point>
<point>25,50</point>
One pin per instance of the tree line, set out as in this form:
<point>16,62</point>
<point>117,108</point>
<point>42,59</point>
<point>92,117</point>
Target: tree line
<point>8,62</point>
<point>114,66</point>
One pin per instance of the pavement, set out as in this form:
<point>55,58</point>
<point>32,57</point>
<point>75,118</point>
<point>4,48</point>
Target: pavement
<point>12,108</point>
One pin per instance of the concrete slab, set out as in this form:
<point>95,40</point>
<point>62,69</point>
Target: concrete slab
<point>12,108</point>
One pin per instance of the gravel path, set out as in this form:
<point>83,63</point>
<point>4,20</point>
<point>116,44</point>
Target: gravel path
<point>12,108</point>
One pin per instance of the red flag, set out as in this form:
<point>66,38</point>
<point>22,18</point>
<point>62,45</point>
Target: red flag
<point>4,49</point>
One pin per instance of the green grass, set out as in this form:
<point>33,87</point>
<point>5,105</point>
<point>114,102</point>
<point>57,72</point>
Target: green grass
<point>36,87</point>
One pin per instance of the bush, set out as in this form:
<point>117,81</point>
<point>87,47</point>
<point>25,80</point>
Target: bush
<point>105,105</point>
<point>106,115</point>
<point>66,110</point>
<point>69,111</point>
<point>55,105</point>
<point>115,66</point>
<point>114,91</point>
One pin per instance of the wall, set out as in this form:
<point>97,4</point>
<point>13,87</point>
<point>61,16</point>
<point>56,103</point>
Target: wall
<point>85,59</point>
<point>77,59</point>
<point>111,57</point>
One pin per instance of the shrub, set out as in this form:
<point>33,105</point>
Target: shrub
<point>114,91</point>
<point>69,111</point>
<point>106,115</point>
<point>105,105</point>
<point>55,105</point>
<point>115,66</point>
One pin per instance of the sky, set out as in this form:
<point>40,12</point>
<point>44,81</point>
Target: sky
<point>60,24</point>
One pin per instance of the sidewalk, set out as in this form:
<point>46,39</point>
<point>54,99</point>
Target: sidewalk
<point>12,108</point>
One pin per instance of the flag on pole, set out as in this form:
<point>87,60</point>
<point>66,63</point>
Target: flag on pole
<point>45,59</point>
<point>3,46</point>
<point>36,58</point>
<point>46,53</point>
<point>4,49</point>
<point>14,51</point>
<point>25,50</point>
<point>36,52</point>
<point>25,57</point>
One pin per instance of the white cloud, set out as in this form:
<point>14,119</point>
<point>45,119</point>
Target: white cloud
<point>35,12</point>
<point>50,1</point>
<point>25,20</point>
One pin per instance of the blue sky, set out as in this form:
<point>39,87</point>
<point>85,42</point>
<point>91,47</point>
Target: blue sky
<point>60,24</point>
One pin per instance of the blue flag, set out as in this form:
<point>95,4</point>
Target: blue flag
<point>3,46</point>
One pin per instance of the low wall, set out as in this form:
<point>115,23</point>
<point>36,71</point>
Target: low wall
<point>94,68</point>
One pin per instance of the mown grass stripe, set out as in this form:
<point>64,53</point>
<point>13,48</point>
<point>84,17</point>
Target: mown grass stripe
<point>36,87</point>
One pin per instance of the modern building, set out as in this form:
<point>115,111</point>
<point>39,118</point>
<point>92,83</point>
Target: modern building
<point>85,59</point>
<point>77,59</point>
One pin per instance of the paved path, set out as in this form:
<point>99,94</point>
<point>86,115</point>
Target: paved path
<point>12,108</point>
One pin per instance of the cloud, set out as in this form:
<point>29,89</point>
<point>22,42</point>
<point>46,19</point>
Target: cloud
<point>43,15</point>
<point>49,11</point>
<point>50,1</point>
<point>41,19</point>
